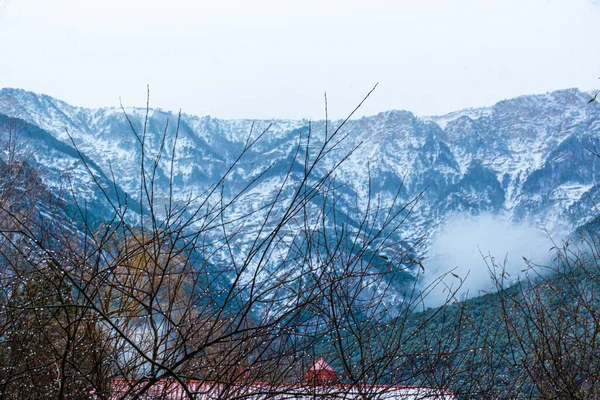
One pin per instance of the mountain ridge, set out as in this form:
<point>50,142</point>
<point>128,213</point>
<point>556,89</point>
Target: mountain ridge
<point>523,159</point>
<point>475,110</point>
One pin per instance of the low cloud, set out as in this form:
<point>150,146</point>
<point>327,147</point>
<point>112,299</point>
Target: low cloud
<point>465,249</point>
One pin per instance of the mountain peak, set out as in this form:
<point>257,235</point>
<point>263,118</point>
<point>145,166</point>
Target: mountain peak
<point>517,158</point>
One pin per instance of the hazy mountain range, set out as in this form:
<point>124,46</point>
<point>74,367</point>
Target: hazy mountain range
<point>523,160</point>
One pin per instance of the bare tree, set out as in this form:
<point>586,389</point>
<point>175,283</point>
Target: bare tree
<point>139,305</point>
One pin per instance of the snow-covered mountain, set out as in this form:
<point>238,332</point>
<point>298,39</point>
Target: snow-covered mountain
<point>525,159</point>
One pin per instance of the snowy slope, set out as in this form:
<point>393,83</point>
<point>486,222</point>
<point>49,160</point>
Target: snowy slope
<point>523,158</point>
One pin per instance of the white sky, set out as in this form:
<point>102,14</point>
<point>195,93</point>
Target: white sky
<point>276,58</point>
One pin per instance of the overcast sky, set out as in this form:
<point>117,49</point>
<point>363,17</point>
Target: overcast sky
<point>276,58</point>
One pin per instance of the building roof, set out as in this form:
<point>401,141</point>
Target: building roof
<point>320,379</point>
<point>321,365</point>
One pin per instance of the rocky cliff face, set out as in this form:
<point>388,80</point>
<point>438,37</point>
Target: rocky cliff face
<point>524,159</point>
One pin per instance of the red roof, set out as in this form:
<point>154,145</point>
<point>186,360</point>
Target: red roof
<point>320,372</point>
<point>321,365</point>
<point>174,390</point>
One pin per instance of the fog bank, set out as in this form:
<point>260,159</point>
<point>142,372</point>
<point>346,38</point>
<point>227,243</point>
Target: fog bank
<point>465,247</point>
